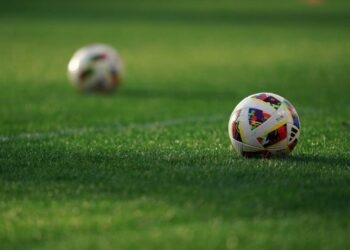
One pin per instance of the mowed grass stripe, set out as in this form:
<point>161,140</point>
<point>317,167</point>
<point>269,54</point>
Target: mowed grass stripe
<point>114,127</point>
<point>119,126</point>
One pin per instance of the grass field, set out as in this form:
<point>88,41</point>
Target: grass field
<point>151,167</point>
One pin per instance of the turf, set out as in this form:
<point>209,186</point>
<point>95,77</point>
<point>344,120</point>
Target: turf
<point>151,166</point>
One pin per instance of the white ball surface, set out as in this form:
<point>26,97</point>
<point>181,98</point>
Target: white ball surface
<point>263,125</point>
<point>96,67</point>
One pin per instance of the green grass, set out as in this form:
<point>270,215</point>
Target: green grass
<point>151,167</point>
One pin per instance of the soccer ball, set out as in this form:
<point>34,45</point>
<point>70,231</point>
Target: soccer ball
<point>264,124</point>
<point>96,67</point>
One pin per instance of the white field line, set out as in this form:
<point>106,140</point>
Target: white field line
<point>112,127</point>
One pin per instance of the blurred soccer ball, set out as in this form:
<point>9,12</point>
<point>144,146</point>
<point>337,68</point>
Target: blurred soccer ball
<point>96,67</point>
<point>264,124</point>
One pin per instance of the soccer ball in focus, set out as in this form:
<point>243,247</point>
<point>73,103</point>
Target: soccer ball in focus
<point>264,124</point>
<point>96,67</point>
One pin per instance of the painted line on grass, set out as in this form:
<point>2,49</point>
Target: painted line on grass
<point>112,127</point>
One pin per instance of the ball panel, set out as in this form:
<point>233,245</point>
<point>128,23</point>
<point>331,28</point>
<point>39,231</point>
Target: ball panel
<point>251,152</point>
<point>256,117</point>
<point>245,149</point>
<point>237,145</point>
<point>246,132</point>
<point>293,132</point>
<point>250,148</point>
<point>273,137</point>
<point>255,103</point>
<point>234,126</point>
<point>293,113</point>
<point>292,145</point>
<point>270,99</point>
<point>273,123</point>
